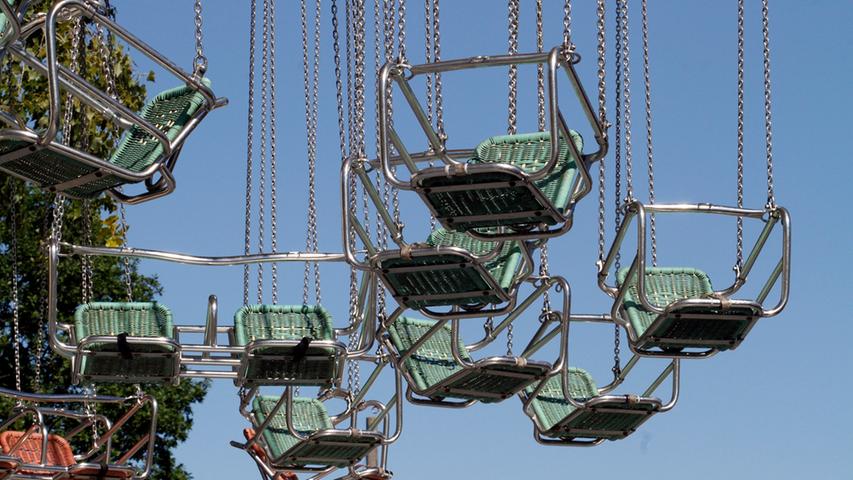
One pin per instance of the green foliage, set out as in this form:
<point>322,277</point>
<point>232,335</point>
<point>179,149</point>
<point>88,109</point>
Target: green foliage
<point>24,93</point>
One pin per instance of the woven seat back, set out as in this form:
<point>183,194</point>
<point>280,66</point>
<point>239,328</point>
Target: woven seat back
<point>282,322</point>
<point>136,319</point>
<point>59,453</point>
<point>550,405</point>
<point>170,112</point>
<point>663,286</point>
<point>433,361</point>
<point>309,416</point>
<point>502,268</point>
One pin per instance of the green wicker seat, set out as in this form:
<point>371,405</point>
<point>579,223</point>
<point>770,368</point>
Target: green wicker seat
<point>492,197</point>
<point>325,446</point>
<point>446,278</point>
<point>57,168</point>
<point>704,326</point>
<point>434,373</point>
<point>100,359</point>
<point>272,333</point>
<point>609,417</point>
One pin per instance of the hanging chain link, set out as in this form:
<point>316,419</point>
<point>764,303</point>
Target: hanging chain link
<point>128,275</point>
<point>429,49</point>
<point>311,88</point>
<point>567,25</point>
<point>200,61</point>
<point>436,56</point>
<point>401,31</point>
<point>740,127</point>
<point>540,117</point>
<point>602,120</point>
<point>626,98</point>
<point>768,106</point>
<point>86,260</point>
<point>513,6</point>
<point>262,173</point>
<point>273,157</point>
<point>13,252</point>
<point>250,143</point>
<point>649,150</point>
<point>617,151</point>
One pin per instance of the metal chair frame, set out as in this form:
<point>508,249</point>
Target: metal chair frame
<point>602,403</point>
<point>540,339</point>
<point>205,359</point>
<point>557,58</point>
<point>60,76</point>
<point>686,308</point>
<point>271,465</point>
<point>373,259</point>
<point>100,454</point>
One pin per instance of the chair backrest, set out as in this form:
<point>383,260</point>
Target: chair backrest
<point>170,111</point>
<point>309,414</point>
<point>282,322</point>
<point>433,361</point>
<point>137,319</point>
<point>59,453</point>
<point>667,285</point>
<point>528,151</point>
<point>503,267</point>
<point>550,405</point>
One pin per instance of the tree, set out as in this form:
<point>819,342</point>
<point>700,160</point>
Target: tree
<point>23,93</point>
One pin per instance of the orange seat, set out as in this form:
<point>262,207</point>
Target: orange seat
<point>250,434</point>
<point>59,454</point>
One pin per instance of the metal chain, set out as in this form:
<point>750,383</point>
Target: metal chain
<point>617,152</point>
<point>273,157</point>
<point>649,151</point>
<point>540,116</point>
<point>602,120</point>
<point>106,61</point>
<point>200,61</point>
<point>13,252</point>
<point>740,126</point>
<point>768,107</point>
<point>250,142</point>
<point>513,6</point>
<point>401,30</point>
<point>86,260</point>
<point>567,24</point>
<point>436,56</point>
<point>310,88</point>
<point>429,50</point>
<point>626,98</point>
<point>391,195</point>
<point>540,70</point>
<point>128,277</point>
<point>263,144</point>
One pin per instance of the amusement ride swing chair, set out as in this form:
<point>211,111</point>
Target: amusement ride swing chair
<point>517,186</point>
<point>36,453</point>
<point>154,136</point>
<point>675,312</point>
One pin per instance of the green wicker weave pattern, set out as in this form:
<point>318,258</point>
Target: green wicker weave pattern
<point>137,150</point>
<point>282,322</point>
<point>502,268</point>
<point>309,416</point>
<point>136,319</point>
<point>664,286</point>
<point>274,364</point>
<point>551,407</point>
<point>667,285</point>
<point>433,361</point>
<point>169,112</point>
<point>530,152</point>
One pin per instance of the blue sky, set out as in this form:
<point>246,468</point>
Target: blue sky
<point>775,408</point>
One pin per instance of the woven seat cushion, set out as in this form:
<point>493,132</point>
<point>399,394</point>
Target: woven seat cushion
<point>529,152</point>
<point>503,269</point>
<point>433,361</point>
<point>550,405</point>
